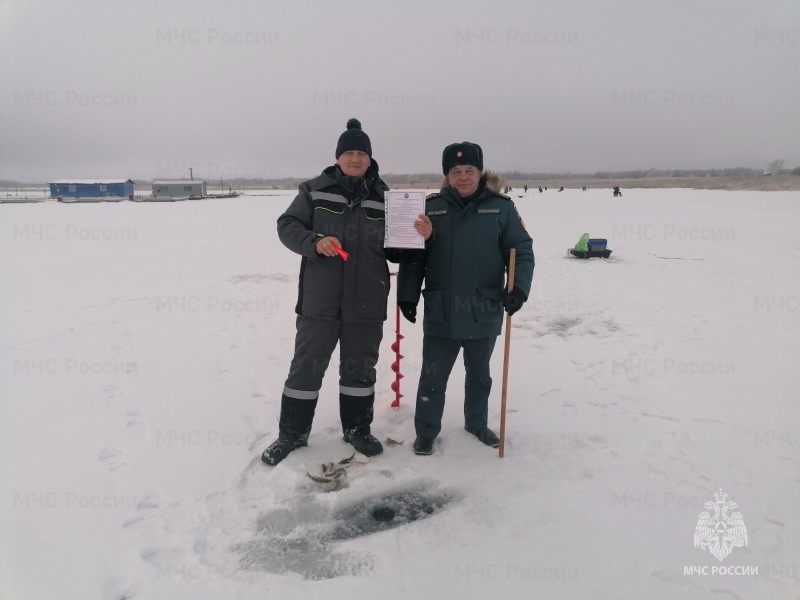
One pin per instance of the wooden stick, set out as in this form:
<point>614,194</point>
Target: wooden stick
<point>512,261</point>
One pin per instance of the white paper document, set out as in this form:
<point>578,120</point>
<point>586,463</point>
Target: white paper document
<point>402,209</point>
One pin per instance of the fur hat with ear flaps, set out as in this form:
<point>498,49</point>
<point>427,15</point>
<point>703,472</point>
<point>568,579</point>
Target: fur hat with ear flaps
<point>469,153</point>
<point>464,153</point>
<point>353,139</point>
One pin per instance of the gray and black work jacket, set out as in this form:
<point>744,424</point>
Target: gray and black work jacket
<point>352,210</point>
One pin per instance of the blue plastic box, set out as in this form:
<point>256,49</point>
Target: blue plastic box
<point>597,245</point>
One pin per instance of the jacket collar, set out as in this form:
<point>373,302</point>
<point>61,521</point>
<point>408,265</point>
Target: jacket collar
<point>371,177</point>
<point>491,179</point>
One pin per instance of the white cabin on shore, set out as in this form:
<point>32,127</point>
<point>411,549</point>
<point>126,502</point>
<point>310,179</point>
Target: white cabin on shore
<point>179,189</point>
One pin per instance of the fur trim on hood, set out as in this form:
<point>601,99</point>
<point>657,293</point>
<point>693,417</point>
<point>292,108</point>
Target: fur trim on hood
<point>494,181</point>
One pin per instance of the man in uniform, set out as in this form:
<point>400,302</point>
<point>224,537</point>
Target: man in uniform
<point>464,269</point>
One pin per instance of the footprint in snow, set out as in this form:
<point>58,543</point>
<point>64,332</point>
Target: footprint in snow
<point>598,440</point>
<point>550,391</point>
<point>789,464</point>
<point>221,375</point>
<point>121,589</point>
<point>147,508</point>
<point>112,391</point>
<point>256,389</point>
<point>135,418</point>
<point>768,535</point>
<point>165,558</point>
<point>741,471</point>
<point>113,459</point>
<point>569,408</point>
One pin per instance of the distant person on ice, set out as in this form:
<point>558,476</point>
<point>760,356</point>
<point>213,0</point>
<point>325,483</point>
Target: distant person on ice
<point>463,268</point>
<point>616,191</point>
<point>339,302</point>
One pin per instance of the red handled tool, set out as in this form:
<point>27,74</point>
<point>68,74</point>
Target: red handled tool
<point>341,252</point>
<point>336,247</point>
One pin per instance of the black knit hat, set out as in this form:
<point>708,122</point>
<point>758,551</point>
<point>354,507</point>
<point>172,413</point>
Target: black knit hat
<point>465,153</point>
<point>353,139</point>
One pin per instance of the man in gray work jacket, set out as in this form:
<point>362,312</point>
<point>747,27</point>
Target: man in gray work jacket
<point>464,268</point>
<point>339,301</point>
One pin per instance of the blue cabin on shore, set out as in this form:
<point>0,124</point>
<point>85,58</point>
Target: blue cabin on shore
<point>91,188</point>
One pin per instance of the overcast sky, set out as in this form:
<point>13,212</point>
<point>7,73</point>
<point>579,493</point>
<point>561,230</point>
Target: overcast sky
<point>146,89</point>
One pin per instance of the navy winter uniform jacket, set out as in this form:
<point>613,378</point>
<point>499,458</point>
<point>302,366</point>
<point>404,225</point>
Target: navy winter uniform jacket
<point>465,262</point>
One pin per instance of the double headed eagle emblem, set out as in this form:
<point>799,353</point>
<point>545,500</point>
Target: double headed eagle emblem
<point>721,533</point>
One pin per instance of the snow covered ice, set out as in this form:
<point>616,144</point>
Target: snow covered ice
<point>144,349</point>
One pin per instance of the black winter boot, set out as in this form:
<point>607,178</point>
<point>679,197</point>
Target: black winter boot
<point>280,449</point>
<point>423,446</point>
<point>294,428</point>
<point>356,414</point>
<point>486,435</point>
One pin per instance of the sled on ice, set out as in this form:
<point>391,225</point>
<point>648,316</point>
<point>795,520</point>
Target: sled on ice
<point>590,248</point>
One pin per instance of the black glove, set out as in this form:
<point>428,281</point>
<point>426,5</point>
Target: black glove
<point>513,300</point>
<point>409,310</point>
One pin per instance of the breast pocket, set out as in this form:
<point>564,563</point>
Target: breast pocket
<point>374,221</point>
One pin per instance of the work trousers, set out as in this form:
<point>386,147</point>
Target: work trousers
<point>438,357</point>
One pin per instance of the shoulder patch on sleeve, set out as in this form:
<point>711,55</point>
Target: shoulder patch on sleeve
<point>503,196</point>
<point>432,196</point>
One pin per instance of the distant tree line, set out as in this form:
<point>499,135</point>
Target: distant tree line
<point>636,174</point>
<point>8,183</point>
<point>436,178</point>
